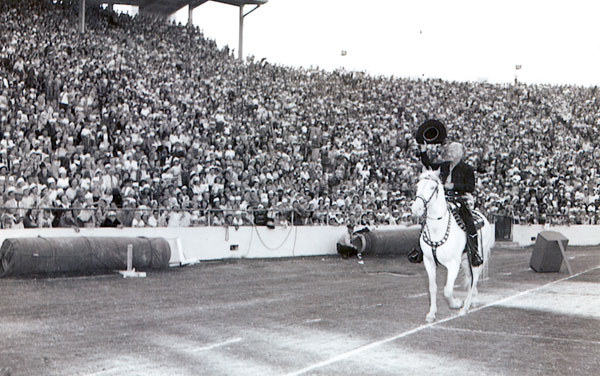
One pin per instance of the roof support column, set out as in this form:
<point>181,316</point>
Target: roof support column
<point>82,16</point>
<point>241,34</point>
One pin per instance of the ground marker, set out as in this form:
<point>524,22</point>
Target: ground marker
<point>130,272</point>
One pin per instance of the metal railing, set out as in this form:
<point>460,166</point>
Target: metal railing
<point>11,217</point>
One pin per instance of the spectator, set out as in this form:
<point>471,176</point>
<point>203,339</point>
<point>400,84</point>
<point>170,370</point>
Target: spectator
<point>111,220</point>
<point>138,220</point>
<point>68,220</point>
<point>147,116</point>
<point>8,221</point>
<point>45,219</point>
<point>32,219</point>
<point>87,215</point>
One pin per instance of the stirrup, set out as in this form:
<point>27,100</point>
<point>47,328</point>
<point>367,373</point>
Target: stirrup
<point>476,260</point>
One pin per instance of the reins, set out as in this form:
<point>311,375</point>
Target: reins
<point>426,236</point>
<point>426,233</point>
<point>435,244</point>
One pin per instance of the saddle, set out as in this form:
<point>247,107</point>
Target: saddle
<point>477,218</point>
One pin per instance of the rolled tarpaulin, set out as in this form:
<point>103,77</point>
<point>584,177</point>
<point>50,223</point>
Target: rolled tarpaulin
<point>398,241</point>
<point>23,256</point>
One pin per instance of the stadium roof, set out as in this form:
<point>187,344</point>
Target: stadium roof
<point>168,7</point>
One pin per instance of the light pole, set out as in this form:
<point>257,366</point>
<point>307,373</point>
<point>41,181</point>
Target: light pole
<point>517,68</point>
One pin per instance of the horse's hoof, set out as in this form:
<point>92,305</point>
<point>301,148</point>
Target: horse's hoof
<point>463,312</point>
<point>430,318</point>
<point>455,304</point>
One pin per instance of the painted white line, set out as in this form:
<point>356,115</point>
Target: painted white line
<point>313,321</point>
<point>501,301</point>
<point>396,274</point>
<point>371,345</point>
<point>390,273</point>
<point>118,370</point>
<point>507,334</point>
<point>216,345</point>
<point>417,295</point>
<point>81,277</point>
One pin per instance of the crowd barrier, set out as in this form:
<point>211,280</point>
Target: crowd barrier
<point>524,234</point>
<point>190,245</point>
<point>274,238</point>
<point>12,217</point>
<point>578,235</point>
<point>193,244</point>
<point>9,216</point>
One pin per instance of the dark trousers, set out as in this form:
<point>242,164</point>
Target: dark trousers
<point>346,250</point>
<point>465,214</point>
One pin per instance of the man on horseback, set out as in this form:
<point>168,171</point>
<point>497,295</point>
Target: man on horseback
<point>459,183</point>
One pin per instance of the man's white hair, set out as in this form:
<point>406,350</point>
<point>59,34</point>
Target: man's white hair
<point>456,146</point>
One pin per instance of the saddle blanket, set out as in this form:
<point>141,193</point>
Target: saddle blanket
<point>477,218</point>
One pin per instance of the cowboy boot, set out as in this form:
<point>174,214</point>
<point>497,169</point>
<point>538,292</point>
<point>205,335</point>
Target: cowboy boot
<point>472,245</point>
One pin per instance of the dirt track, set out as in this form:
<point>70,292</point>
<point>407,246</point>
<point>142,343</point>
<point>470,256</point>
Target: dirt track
<point>318,316</point>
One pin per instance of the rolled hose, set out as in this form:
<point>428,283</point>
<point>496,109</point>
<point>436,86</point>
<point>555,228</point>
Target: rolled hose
<point>378,242</point>
<point>23,256</point>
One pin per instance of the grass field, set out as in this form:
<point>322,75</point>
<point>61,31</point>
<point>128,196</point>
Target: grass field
<point>311,316</point>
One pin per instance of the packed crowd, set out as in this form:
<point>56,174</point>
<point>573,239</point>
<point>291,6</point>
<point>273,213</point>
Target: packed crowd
<point>142,123</point>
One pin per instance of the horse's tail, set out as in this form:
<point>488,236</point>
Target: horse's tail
<point>486,241</point>
<point>465,271</point>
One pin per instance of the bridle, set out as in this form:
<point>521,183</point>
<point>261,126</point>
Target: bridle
<point>434,193</point>
<point>426,237</point>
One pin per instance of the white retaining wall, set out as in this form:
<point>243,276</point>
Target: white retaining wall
<point>582,235</point>
<point>190,244</point>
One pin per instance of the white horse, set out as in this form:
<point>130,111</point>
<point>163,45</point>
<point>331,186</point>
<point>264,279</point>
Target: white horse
<point>442,238</point>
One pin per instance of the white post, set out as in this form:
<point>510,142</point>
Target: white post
<point>190,18</point>
<point>82,16</point>
<point>129,257</point>
<point>241,35</point>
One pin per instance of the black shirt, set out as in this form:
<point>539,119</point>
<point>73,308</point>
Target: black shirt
<point>463,177</point>
<point>110,223</point>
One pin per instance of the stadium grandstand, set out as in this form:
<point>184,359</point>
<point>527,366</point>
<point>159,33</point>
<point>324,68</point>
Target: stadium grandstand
<point>138,122</point>
<point>167,7</point>
<point>164,8</point>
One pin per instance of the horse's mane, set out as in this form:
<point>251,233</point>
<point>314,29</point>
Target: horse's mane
<point>430,174</point>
